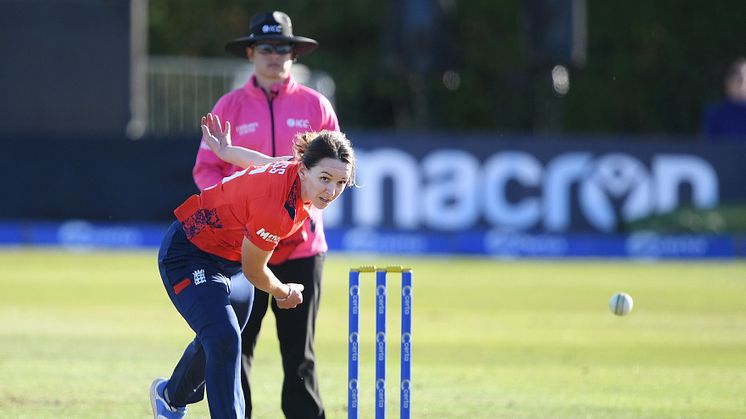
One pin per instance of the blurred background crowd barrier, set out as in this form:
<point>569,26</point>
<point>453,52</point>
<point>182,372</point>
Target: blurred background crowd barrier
<point>181,88</point>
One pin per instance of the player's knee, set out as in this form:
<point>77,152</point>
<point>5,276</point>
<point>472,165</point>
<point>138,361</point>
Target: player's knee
<point>222,341</point>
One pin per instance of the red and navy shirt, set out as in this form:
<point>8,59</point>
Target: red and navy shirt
<point>263,204</point>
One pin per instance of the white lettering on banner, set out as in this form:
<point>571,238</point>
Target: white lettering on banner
<point>651,245</point>
<point>498,170</point>
<point>674,170</point>
<point>369,240</point>
<point>616,176</point>
<point>502,243</point>
<point>450,191</point>
<point>402,169</point>
<point>563,171</point>
<point>451,201</point>
<point>82,235</point>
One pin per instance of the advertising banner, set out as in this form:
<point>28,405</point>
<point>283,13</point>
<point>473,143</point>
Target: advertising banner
<point>453,184</point>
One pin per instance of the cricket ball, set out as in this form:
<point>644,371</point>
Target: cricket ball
<point>621,304</point>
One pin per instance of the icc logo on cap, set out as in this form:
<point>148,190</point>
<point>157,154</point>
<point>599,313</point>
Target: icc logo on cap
<point>272,28</point>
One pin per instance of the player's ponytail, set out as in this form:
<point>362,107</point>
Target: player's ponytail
<point>300,144</point>
<point>312,147</point>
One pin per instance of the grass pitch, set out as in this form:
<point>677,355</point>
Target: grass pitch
<point>83,334</point>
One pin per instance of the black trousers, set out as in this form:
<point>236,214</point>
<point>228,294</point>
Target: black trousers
<point>295,331</point>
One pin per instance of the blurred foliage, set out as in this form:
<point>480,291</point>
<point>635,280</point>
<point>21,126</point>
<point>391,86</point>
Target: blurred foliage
<point>651,66</point>
<point>722,219</point>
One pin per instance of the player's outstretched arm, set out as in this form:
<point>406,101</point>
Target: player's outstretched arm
<point>254,263</point>
<point>219,140</point>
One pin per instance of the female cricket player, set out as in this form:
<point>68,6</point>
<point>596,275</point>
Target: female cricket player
<point>232,226</point>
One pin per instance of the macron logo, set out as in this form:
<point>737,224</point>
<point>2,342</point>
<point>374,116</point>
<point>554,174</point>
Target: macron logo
<point>266,235</point>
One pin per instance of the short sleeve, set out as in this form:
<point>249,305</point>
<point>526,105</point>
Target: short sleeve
<point>263,226</point>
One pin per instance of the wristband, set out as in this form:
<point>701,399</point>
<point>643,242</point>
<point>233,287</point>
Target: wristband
<point>290,293</point>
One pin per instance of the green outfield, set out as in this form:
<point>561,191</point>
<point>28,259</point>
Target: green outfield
<point>83,334</point>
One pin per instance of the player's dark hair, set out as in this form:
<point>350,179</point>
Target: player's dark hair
<point>312,147</point>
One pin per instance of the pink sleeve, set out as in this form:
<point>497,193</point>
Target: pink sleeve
<point>208,168</point>
<point>330,117</point>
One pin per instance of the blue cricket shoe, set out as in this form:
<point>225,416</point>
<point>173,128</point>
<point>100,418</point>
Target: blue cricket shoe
<point>161,409</point>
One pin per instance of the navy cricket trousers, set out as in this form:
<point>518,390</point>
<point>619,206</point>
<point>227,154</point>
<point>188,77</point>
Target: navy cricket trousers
<point>199,286</point>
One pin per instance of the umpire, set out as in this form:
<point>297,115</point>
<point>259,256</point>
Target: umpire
<point>266,114</point>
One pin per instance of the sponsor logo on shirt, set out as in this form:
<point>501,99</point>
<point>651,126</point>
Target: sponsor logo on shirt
<point>300,123</point>
<point>266,235</point>
<point>247,128</point>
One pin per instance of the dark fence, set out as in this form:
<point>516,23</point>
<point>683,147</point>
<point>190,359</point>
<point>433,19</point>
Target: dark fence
<point>441,182</point>
<point>66,67</point>
<point>94,179</point>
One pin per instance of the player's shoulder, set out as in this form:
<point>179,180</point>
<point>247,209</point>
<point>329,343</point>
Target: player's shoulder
<point>310,93</point>
<point>225,103</point>
<point>304,90</point>
<point>233,96</point>
<point>273,176</point>
<point>320,107</point>
<point>273,182</point>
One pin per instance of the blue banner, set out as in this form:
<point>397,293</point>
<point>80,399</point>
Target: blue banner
<point>83,235</point>
<point>525,245</point>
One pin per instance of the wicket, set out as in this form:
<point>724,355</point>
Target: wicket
<point>353,350</point>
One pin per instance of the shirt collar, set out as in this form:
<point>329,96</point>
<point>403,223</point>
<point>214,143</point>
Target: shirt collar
<point>278,89</point>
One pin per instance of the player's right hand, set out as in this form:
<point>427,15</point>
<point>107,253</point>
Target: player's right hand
<point>217,138</point>
<point>293,299</point>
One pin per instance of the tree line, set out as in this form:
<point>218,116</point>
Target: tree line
<point>649,68</point>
